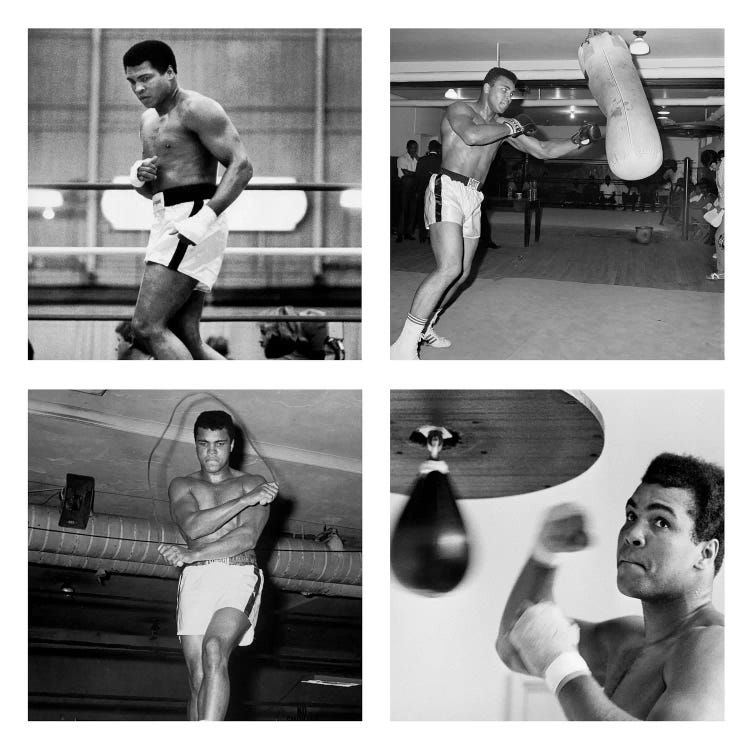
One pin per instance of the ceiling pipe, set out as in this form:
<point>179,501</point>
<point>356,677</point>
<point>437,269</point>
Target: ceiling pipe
<point>130,545</point>
<point>706,101</point>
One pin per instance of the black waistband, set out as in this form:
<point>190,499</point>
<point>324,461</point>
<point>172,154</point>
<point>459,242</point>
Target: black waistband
<point>185,193</point>
<point>461,178</point>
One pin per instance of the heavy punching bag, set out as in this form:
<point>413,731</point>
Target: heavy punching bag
<point>430,548</point>
<point>633,145</point>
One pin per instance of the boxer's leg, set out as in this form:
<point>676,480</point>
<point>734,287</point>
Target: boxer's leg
<point>447,246</point>
<point>186,326</point>
<point>192,649</point>
<point>224,632</point>
<point>470,248</point>
<point>163,292</point>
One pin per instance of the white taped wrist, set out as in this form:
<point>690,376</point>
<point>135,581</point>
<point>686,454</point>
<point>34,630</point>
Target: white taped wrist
<point>563,669</point>
<point>544,556</point>
<point>134,181</point>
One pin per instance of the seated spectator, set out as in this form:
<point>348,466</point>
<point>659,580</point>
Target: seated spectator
<point>299,340</point>
<point>127,345</point>
<point>630,195</point>
<point>701,200</point>
<point>607,192</point>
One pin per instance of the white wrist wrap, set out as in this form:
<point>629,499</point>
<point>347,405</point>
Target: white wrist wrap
<point>544,556</point>
<point>134,181</point>
<point>563,669</point>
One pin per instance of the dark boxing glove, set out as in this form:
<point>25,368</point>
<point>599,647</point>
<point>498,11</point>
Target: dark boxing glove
<point>586,134</point>
<point>521,125</point>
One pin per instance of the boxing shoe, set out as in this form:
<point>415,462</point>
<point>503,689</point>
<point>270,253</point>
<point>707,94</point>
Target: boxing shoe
<point>430,338</point>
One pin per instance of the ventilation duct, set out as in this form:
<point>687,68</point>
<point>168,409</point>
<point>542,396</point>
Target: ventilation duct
<point>130,545</point>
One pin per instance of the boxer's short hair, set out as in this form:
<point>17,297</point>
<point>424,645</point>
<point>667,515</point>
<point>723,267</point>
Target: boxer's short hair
<point>706,483</point>
<point>159,54</point>
<point>494,73</point>
<point>214,420</point>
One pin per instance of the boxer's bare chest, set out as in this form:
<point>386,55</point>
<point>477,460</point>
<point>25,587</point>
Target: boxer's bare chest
<point>635,680</point>
<point>473,161</point>
<point>209,495</point>
<point>167,137</point>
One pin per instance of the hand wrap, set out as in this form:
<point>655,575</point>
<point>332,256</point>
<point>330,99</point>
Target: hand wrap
<point>548,644</point>
<point>134,181</point>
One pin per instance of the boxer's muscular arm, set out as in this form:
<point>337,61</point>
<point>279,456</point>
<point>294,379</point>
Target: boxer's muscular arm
<point>461,119</point>
<point>147,189</point>
<point>534,584</point>
<point>208,120</point>
<point>252,521</point>
<point>543,149</point>
<point>238,540</point>
<point>195,523</point>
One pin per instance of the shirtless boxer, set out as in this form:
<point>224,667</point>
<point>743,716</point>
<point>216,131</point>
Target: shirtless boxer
<point>221,513</point>
<point>185,136</point>
<point>667,665</point>
<point>471,133</point>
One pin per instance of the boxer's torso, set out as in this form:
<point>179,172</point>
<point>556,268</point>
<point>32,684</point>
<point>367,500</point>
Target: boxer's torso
<point>209,495</point>
<point>636,673</point>
<point>183,159</point>
<point>459,156</point>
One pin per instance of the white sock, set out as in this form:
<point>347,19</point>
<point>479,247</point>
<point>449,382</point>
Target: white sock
<point>411,331</point>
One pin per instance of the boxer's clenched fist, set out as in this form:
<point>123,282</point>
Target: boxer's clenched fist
<point>263,494</point>
<point>541,634</point>
<point>563,530</point>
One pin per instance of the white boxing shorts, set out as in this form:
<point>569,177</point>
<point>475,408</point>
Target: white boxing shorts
<point>201,262</point>
<point>449,200</point>
<point>206,588</point>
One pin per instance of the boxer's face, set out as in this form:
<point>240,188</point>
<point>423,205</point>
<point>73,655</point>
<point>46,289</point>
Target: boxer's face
<point>148,84</point>
<point>500,94</point>
<point>213,448</point>
<point>656,554</point>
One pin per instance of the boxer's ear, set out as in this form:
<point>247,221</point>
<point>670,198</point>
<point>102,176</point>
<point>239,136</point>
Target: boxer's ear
<point>708,554</point>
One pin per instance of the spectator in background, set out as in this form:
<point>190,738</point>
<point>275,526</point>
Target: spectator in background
<point>427,165</point>
<point>711,161</point>
<point>127,345</point>
<point>219,344</point>
<point>607,192</point>
<point>630,195</point>
<point>701,200</point>
<point>407,174</point>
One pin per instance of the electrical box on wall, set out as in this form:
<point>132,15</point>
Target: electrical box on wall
<point>78,501</point>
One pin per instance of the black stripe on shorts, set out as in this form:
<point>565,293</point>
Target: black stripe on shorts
<point>251,601</point>
<point>182,245</point>
<point>438,198</point>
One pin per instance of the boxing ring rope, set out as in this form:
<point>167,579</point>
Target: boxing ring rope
<point>137,249</point>
<point>285,186</point>
<point>209,318</point>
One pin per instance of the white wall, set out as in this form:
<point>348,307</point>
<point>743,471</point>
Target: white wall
<point>419,123</point>
<point>443,662</point>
